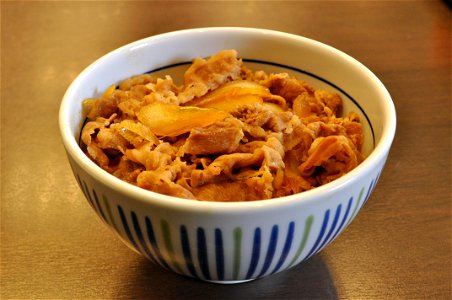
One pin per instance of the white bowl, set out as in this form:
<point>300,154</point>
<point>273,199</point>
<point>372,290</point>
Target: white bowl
<point>235,241</point>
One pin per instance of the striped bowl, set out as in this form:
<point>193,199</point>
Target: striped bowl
<point>236,241</point>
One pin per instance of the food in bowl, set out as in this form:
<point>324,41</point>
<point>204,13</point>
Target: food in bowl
<point>232,242</point>
<point>227,133</point>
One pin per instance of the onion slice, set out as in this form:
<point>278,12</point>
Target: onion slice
<point>172,120</point>
<point>232,103</point>
<point>233,89</point>
<point>136,133</point>
<point>235,94</point>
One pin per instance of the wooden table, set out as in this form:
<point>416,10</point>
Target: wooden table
<point>53,245</point>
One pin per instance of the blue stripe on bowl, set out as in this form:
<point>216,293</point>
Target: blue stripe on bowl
<point>139,235</point>
<point>99,207</point>
<point>126,228</point>
<point>333,226</point>
<point>219,253</point>
<point>87,196</point>
<point>271,250</point>
<point>255,254</point>
<point>202,253</point>
<point>341,226</point>
<point>372,187</point>
<point>287,246</point>
<point>321,233</point>
<point>186,251</point>
<point>79,182</point>
<point>153,242</point>
<point>305,237</point>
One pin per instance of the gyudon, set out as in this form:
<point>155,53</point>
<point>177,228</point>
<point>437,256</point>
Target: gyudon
<point>226,134</point>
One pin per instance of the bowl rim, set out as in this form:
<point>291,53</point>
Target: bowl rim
<point>377,155</point>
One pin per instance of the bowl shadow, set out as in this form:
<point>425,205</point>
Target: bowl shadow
<point>312,280</point>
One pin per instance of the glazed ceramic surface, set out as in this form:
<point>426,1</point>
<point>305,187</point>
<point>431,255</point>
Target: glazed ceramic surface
<point>232,242</point>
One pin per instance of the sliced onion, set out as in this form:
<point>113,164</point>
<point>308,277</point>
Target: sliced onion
<point>172,120</point>
<point>230,90</point>
<point>136,133</point>
<point>234,94</point>
<point>232,103</point>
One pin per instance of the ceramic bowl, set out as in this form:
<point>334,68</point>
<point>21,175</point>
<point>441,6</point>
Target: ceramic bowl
<point>241,241</point>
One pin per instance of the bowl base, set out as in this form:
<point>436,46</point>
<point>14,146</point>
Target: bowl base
<point>229,281</point>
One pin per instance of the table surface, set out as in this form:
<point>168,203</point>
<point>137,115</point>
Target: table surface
<point>53,245</point>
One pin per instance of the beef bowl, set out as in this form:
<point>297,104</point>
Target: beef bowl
<point>234,232</point>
